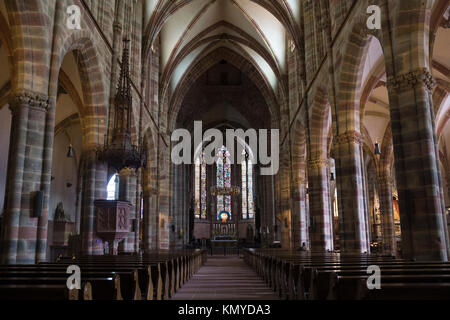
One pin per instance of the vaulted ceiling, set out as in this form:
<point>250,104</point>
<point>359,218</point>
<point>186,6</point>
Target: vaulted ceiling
<point>376,117</point>
<point>197,27</point>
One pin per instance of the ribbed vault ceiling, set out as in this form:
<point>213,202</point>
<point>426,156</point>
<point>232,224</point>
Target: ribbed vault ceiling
<point>197,27</point>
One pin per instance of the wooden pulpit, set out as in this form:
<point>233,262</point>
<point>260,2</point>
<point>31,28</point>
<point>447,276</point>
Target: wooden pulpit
<point>112,221</point>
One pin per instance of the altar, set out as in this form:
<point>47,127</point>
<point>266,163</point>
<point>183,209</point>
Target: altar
<point>225,228</point>
<point>222,216</point>
<point>224,232</point>
<point>224,243</point>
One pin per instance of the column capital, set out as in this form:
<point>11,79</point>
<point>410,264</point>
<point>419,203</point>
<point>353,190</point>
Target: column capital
<point>411,80</point>
<point>296,194</point>
<point>383,179</point>
<point>318,163</point>
<point>149,191</point>
<point>30,99</point>
<point>127,172</point>
<point>351,136</point>
<point>90,151</point>
<point>117,26</point>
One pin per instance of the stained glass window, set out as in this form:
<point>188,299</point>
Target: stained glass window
<point>227,178</point>
<point>197,188</point>
<point>203,188</point>
<point>248,209</point>
<point>223,164</point>
<point>244,189</point>
<point>251,209</point>
<point>200,188</point>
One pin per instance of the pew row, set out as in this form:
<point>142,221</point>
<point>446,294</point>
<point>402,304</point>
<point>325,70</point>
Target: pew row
<point>153,276</point>
<point>295,275</point>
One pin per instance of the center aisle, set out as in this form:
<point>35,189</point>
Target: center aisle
<point>225,278</point>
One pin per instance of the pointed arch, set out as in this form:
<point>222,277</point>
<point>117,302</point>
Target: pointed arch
<point>205,62</point>
<point>349,86</point>
<point>6,41</point>
<point>320,124</point>
<point>92,81</point>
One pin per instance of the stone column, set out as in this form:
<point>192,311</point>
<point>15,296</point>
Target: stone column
<point>164,196</point>
<point>25,234</point>
<point>349,174</point>
<point>180,206</point>
<point>177,205</point>
<point>304,217</point>
<point>268,217</point>
<point>127,192</point>
<point>173,205</point>
<point>321,235</point>
<point>186,204</point>
<point>94,188</point>
<point>422,213</point>
<point>366,212</point>
<point>150,232</point>
<point>384,187</point>
<point>295,200</point>
<point>139,208</point>
<point>285,203</point>
<point>299,215</point>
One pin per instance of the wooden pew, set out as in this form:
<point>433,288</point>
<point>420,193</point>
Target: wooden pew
<point>313,274</point>
<point>141,285</point>
<point>42,291</point>
<point>175,267</point>
<point>126,284</point>
<point>300,275</point>
<point>393,287</point>
<point>152,276</point>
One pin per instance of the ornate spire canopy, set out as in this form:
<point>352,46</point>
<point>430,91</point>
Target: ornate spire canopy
<point>120,153</point>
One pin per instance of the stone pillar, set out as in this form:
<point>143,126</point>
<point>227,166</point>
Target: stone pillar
<point>186,179</point>
<point>78,208</point>
<point>304,217</point>
<point>366,212</point>
<point>25,235</point>
<point>447,185</point>
<point>422,213</point>
<point>286,204</point>
<point>150,231</point>
<point>139,208</point>
<point>177,206</point>
<point>300,218</point>
<point>164,196</point>
<point>387,213</point>
<point>127,192</point>
<point>350,179</point>
<point>321,235</point>
<point>295,225</point>
<point>268,215</point>
<point>94,188</point>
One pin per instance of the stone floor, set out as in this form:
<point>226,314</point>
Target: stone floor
<point>225,278</point>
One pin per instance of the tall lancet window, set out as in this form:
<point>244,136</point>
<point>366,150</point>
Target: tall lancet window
<point>113,188</point>
<point>203,188</point>
<point>223,180</point>
<point>248,209</point>
<point>200,188</point>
